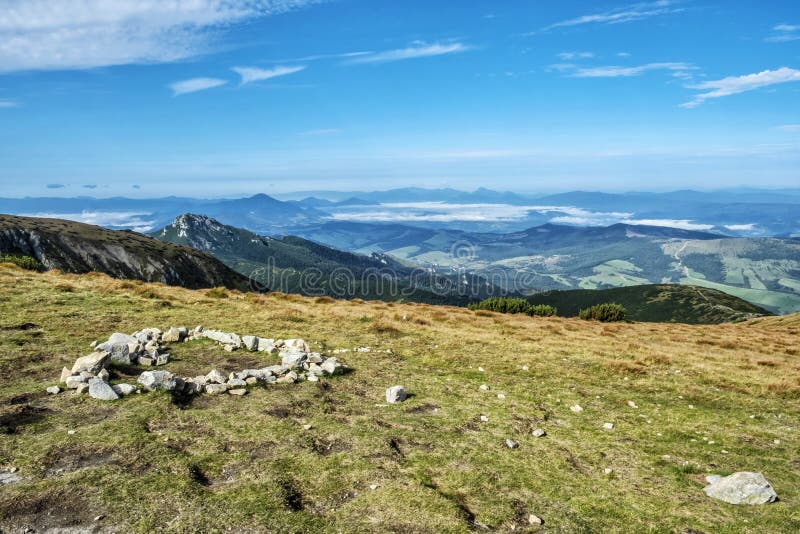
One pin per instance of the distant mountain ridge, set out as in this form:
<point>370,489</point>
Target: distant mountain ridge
<point>81,248</point>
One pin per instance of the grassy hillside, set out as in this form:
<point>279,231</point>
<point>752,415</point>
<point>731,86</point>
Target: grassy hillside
<point>711,399</point>
<point>656,303</point>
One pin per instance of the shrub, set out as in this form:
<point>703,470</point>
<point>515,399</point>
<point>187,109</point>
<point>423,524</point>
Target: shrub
<point>26,262</point>
<point>605,313</point>
<point>513,305</point>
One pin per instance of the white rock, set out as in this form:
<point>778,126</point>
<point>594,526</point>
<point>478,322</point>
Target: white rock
<point>535,520</point>
<point>396,394</point>
<point>123,389</point>
<point>250,343</point>
<point>53,390</point>
<point>538,433</point>
<point>158,381</point>
<point>577,408</point>
<point>608,426</point>
<point>484,387</point>
<point>216,389</point>
<point>296,344</point>
<point>92,363</point>
<point>632,404</point>
<point>216,377</point>
<point>741,488</point>
<point>331,366</point>
<point>511,444</point>
<point>239,392</point>
<point>74,381</point>
<point>65,373</point>
<point>99,389</point>
<point>484,419</point>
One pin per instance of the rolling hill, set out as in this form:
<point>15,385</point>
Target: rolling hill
<point>659,303</point>
<point>81,248</point>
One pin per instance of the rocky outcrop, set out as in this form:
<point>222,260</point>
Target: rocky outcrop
<point>81,248</point>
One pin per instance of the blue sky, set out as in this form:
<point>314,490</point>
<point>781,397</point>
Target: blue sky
<point>231,97</point>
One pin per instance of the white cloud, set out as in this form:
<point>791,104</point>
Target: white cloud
<point>629,13</point>
<point>784,33</point>
<point>683,224</point>
<point>416,50</point>
<point>740,227</point>
<point>739,84</point>
<point>195,84</point>
<point>137,221</point>
<point>614,71</point>
<point>575,55</point>
<point>254,74</point>
<point>623,54</point>
<point>63,34</point>
<point>8,104</point>
<point>790,127</point>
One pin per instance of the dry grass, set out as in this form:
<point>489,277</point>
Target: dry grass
<point>222,463</point>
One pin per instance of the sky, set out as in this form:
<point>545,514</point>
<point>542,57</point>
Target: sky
<point>211,98</point>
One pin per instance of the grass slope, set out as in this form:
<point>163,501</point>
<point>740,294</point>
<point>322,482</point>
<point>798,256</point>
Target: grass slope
<point>656,303</point>
<point>711,399</point>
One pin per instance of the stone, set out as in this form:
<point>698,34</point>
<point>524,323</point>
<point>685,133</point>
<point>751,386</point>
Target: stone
<point>266,345</point>
<point>65,373</point>
<point>632,404</point>
<point>236,383</point>
<point>484,419</point>
<point>315,357</point>
<point>91,363</point>
<point>121,338</point>
<point>608,426</point>
<point>74,381</point>
<point>158,381</point>
<point>526,368</point>
<point>103,374</point>
<point>251,380</point>
<point>82,388</point>
<point>396,394</point>
<point>175,335</point>
<point>511,444</point>
<point>307,427</point>
<point>484,387</point>
<point>331,366</point>
<point>296,344</point>
<point>9,476</point>
<point>577,408</point>
<point>312,378</point>
<point>237,392</point>
<point>250,343</point>
<point>229,348</point>
<point>216,389</point>
<point>146,361</point>
<point>288,378</point>
<point>501,396</point>
<point>608,471</point>
<point>162,359</point>
<point>120,353</point>
<point>53,390</point>
<point>538,433</point>
<point>535,520</point>
<point>315,370</point>
<point>223,337</point>
<point>123,389</point>
<point>741,488</point>
<point>292,358</point>
<point>100,390</point>
<point>215,377</point>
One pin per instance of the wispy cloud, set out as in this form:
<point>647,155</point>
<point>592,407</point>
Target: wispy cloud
<point>195,84</point>
<point>137,221</point>
<point>8,104</point>
<point>784,33</point>
<point>317,57</point>
<point>615,71</point>
<point>49,35</point>
<point>254,74</point>
<point>416,50</point>
<point>629,13</point>
<point>790,128</point>
<point>739,84</point>
<point>566,56</point>
<point>320,132</point>
<point>55,186</point>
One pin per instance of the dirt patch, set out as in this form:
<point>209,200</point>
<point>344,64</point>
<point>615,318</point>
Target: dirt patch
<point>14,420</point>
<point>56,509</point>
<point>62,461</point>
<point>424,409</point>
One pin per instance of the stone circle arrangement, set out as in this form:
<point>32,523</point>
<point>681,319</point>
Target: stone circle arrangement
<point>148,347</point>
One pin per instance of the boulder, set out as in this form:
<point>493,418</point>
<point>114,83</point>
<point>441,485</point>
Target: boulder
<point>215,377</point>
<point>216,389</point>
<point>158,381</point>
<point>266,345</point>
<point>250,343</point>
<point>224,338</point>
<point>65,373</point>
<point>91,363</point>
<point>146,361</point>
<point>120,353</point>
<point>175,335</point>
<point>82,388</point>
<point>331,366</point>
<point>236,383</point>
<point>395,394</point>
<point>293,358</point>
<point>162,359</point>
<point>741,488</point>
<point>237,392</point>
<point>74,381</point>
<point>120,338</point>
<point>147,334</point>
<point>296,344</point>
<point>99,389</point>
<point>123,389</point>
